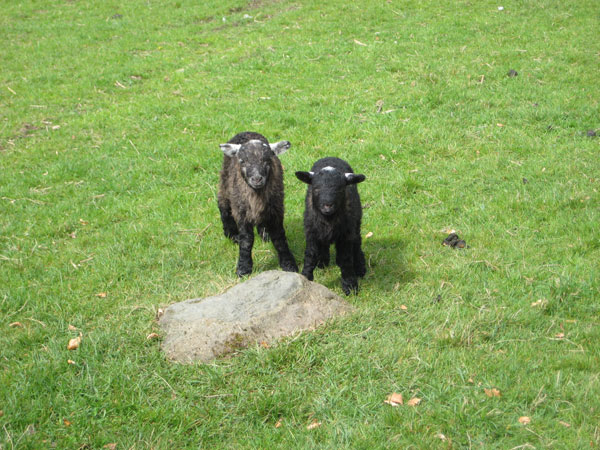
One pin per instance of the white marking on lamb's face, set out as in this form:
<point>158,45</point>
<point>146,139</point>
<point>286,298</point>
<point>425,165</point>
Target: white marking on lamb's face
<point>328,169</point>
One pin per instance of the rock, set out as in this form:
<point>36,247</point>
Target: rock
<point>267,307</point>
<point>512,73</point>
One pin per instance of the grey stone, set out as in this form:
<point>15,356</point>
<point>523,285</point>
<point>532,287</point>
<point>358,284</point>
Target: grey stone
<point>267,307</point>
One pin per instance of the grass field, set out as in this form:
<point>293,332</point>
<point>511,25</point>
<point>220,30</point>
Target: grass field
<point>110,118</point>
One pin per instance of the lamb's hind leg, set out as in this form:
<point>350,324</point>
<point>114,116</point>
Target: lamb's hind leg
<point>230,228</point>
<point>323,258</point>
<point>360,265</point>
<point>286,259</point>
<point>344,258</point>
<point>246,241</point>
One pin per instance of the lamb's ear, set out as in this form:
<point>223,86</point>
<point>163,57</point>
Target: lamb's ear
<point>230,149</point>
<point>305,177</point>
<point>279,148</point>
<point>354,178</point>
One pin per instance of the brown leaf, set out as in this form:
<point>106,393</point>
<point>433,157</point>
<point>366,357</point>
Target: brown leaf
<point>403,307</point>
<point>67,423</point>
<point>83,222</point>
<point>524,420</point>
<point>1,413</point>
<point>314,424</point>
<point>564,424</point>
<point>101,294</point>
<point>71,362</point>
<point>559,335</point>
<point>265,344</point>
<point>152,336</point>
<point>74,343</point>
<point>278,423</point>
<point>492,392</point>
<point>413,401</point>
<point>111,446</point>
<point>368,235</point>
<point>72,328</point>
<point>359,43</point>
<point>15,325</point>
<point>394,399</point>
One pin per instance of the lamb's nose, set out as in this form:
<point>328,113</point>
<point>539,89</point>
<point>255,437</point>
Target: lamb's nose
<point>257,179</point>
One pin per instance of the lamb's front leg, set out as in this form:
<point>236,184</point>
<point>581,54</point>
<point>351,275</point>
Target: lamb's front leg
<point>246,241</point>
<point>311,257</point>
<point>286,259</point>
<point>344,258</point>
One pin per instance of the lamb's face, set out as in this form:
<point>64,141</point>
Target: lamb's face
<point>328,188</point>
<point>328,191</point>
<point>255,163</point>
<point>255,158</point>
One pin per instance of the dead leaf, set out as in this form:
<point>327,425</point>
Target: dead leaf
<point>83,222</point>
<point>71,362</point>
<point>359,43</point>
<point>403,307</point>
<point>67,423</point>
<point>541,302</point>
<point>448,230</point>
<point>278,423</point>
<point>564,424</point>
<point>368,235</point>
<point>559,335</point>
<point>265,344</point>
<point>470,380</point>
<point>101,294</point>
<point>524,420</point>
<point>492,392</point>
<point>74,343</point>
<point>15,325</point>
<point>314,424</point>
<point>111,446</point>
<point>500,124</point>
<point>152,336</point>
<point>1,413</point>
<point>73,235</point>
<point>72,328</point>
<point>159,313</point>
<point>441,436</point>
<point>413,401</point>
<point>394,399</point>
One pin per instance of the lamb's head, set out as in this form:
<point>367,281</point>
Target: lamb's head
<point>329,188</point>
<point>255,158</point>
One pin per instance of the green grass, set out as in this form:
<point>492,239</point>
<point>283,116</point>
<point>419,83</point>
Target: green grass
<point>109,160</point>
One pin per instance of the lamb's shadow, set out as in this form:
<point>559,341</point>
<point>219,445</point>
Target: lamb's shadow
<point>387,269</point>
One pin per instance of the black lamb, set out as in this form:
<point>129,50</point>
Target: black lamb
<point>251,195</point>
<point>332,216</point>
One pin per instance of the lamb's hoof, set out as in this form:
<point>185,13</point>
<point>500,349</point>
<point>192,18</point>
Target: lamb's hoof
<point>242,271</point>
<point>264,235</point>
<point>309,276</point>
<point>350,286</point>
<point>234,237</point>
<point>289,266</point>
<point>322,264</point>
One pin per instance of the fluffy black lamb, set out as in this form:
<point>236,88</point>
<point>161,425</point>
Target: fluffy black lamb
<point>332,216</point>
<point>251,195</point>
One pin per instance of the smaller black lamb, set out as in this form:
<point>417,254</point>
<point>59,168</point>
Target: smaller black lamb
<point>332,216</point>
<point>251,195</point>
